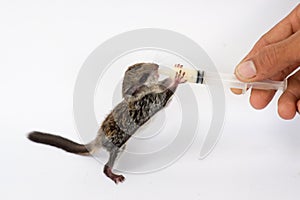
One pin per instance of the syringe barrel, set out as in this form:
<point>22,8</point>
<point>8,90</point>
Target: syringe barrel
<point>229,80</point>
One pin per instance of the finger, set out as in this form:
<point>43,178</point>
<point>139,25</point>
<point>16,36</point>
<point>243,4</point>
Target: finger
<point>259,99</point>
<point>281,31</point>
<point>298,106</point>
<point>270,60</point>
<point>288,102</point>
<point>278,77</point>
<point>236,91</point>
<point>284,29</point>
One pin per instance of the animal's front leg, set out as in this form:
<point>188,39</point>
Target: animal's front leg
<point>179,78</point>
<point>165,83</point>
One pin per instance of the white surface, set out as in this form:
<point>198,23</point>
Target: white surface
<point>44,43</point>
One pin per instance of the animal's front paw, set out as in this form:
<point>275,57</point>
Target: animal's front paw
<point>179,77</point>
<point>178,66</point>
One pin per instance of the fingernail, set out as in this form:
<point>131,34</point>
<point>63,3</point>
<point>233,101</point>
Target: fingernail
<point>246,70</point>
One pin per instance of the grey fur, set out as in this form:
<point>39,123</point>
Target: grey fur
<point>143,97</point>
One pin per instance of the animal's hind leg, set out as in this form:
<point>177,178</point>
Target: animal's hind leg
<point>109,166</point>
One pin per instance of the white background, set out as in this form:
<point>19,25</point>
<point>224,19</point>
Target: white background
<point>42,47</point>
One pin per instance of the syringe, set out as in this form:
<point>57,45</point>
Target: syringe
<point>228,80</point>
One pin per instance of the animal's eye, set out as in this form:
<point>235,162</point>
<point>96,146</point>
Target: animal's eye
<point>144,78</point>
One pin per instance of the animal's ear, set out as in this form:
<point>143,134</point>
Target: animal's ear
<point>144,78</point>
<point>129,92</point>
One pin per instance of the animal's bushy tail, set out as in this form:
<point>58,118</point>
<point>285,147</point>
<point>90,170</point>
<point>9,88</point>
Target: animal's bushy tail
<point>59,142</point>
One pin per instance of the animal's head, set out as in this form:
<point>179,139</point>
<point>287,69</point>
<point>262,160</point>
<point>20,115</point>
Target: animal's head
<point>139,74</point>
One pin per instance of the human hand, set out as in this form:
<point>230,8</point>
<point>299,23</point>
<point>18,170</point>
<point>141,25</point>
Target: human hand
<point>275,56</point>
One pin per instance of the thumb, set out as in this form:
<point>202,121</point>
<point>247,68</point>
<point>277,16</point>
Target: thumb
<point>270,60</point>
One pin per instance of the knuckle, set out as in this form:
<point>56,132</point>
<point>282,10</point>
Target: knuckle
<point>272,55</point>
<point>264,40</point>
<point>269,56</point>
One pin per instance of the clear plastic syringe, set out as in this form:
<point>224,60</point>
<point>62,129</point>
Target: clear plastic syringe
<point>228,80</point>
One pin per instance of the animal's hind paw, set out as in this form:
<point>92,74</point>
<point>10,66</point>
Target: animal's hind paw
<point>118,179</point>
